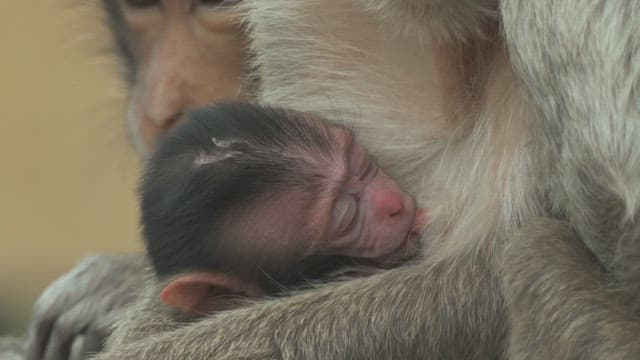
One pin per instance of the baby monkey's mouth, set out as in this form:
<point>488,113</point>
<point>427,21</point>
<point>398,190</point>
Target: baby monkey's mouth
<point>420,220</point>
<point>409,247</point>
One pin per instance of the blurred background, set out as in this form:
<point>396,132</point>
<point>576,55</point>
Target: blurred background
<point>67,172</point>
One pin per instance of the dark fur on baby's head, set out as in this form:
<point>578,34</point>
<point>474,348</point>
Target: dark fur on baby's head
<point>218,162</point>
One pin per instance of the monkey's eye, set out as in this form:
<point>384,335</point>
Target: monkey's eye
<point>142,3</point>
<point>346,214</point>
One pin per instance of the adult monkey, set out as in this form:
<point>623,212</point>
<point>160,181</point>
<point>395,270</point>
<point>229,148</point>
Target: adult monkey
<point>177,54</point>
<point>487,165</point>
<point>564,149</point>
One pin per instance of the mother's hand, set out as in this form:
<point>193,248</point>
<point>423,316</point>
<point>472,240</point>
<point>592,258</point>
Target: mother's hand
<point>76,313</point>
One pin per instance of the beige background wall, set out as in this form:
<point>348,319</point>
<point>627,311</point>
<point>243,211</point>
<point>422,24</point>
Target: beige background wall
<point>66,171</point>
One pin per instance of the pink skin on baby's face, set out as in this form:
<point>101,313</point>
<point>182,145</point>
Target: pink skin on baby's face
<point>372,216</point>
<point>364,214</point>
<point>358,212</point>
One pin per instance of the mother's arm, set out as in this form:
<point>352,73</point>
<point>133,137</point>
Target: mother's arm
<point>442,310</point>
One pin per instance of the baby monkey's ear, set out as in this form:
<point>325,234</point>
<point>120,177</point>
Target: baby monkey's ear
<point>201,293</point>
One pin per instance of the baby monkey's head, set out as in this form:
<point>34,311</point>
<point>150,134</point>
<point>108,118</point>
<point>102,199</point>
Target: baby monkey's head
<point>266,196</point>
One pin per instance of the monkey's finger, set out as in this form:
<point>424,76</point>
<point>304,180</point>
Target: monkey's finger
<point>45,315</point>
<point>78,343</point>
<point>37,338</point>
<point>92,344</point>
<point>91,341</point>
<point>65,329</point>
<point>60,296</point>
<point>85,345</point>
<point>58,346</point>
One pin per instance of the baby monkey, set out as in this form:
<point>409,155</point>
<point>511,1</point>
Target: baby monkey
<point>242,201</point>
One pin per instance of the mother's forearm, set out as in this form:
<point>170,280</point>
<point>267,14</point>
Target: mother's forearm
<point>448,309</point>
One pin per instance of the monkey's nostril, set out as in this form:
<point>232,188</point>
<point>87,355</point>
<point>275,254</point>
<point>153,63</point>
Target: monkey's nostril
<point>394,205</point>
<point>172,121</point>
<point>397,212</point>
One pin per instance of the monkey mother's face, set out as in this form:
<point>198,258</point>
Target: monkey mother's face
<point>181,54</point>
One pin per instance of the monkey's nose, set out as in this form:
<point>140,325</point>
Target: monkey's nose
<point>389,203</point>
<point>164,102</point>
<point>151,130</point>
<point>165,121</point>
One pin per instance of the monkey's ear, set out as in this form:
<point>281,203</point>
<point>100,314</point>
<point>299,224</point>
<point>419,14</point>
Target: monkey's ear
<point>198,293</point>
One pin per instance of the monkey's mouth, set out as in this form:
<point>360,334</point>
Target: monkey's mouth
<point>420,219</point>
<point>407,244</point>
<point>412,239</point>
<point>408,249</point>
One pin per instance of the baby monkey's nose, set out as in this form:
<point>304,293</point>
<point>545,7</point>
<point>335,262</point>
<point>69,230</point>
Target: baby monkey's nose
<point>389,203</point>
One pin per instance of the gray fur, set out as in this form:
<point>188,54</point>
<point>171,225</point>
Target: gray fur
<point>148,316</point>
<point>336,59</point>
<point>561,305</point>
<point>547,130</point>
<point>457,19</point>
<point>595,106</point>
<point>11,348</point>
<point>564,303</point>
